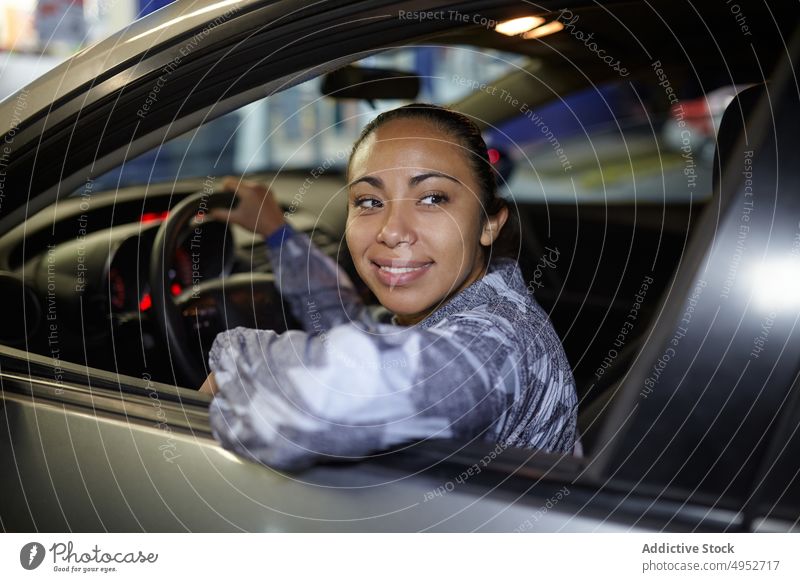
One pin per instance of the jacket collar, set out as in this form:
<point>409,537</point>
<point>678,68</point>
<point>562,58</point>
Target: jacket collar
<point>503,280</point>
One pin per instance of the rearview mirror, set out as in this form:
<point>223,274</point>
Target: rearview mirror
<point>353,82</point>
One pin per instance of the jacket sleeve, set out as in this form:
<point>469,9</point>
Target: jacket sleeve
<point>320,294</point>
<point>291,399</point>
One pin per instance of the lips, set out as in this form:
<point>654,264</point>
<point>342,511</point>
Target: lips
<point>400,263</point>
<point>394,272</point>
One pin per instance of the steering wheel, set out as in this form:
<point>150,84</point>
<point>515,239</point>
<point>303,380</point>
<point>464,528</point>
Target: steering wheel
<point>189,322</point>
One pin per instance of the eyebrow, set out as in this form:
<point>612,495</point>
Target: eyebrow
<point>413,181</point>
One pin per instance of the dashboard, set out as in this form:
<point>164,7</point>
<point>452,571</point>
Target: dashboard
<point>198,258</point>
<point>88,300</point>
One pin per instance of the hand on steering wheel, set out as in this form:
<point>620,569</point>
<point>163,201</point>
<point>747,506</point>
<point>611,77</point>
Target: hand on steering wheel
<point>257,210</point>
<point>227,301</point>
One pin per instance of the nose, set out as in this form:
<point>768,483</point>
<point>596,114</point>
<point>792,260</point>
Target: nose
<point>397,225</point>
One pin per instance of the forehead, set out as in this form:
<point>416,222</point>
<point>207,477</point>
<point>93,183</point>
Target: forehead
<point>410,144</point>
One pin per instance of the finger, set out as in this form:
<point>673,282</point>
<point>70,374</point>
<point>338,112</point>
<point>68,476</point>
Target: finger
<point>252,188</point>
<point>231,183</point>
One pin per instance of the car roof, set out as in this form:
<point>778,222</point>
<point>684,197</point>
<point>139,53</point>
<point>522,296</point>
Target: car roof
<point>625,25</point>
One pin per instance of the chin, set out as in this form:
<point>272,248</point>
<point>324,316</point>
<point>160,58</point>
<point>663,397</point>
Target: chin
<point>400,308</point>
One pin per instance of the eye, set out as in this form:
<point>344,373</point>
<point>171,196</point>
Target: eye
<point>367,202</point>
<point>434,198</point>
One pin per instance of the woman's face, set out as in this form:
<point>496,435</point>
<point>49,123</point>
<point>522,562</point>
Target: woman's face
<point>414,225</point>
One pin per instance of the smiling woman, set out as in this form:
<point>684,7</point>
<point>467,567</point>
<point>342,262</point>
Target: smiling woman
<point>418,212</point>
<point>471,355</point>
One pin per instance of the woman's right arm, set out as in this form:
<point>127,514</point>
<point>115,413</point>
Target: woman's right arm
<point>319,292</point>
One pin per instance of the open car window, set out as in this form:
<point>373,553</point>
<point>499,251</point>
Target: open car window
<point>592,147</point>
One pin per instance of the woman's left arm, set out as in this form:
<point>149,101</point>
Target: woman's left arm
<point>289,400</point>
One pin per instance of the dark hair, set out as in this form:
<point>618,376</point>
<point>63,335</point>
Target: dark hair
<point>469,137</point>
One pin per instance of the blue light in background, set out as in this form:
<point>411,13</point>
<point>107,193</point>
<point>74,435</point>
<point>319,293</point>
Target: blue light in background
<point>148,6</point>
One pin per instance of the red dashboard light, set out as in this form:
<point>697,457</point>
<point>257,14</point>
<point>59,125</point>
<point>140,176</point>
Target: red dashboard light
<point>146,303</point>
<point>154,216</point>
<point>175,289</point>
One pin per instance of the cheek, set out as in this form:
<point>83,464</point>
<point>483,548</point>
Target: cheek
<point>455,239</point>
<point>354,236</point>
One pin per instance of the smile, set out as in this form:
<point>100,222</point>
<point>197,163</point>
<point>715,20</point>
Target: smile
<point>393,276</point>
<point>400,269</point>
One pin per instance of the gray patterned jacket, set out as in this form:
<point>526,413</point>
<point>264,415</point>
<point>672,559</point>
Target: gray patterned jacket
<point>487,365</point>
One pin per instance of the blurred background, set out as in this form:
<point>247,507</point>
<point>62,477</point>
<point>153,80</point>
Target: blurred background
<point>36,35</point>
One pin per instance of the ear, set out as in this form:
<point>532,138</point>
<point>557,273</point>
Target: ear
<point>494,224</point>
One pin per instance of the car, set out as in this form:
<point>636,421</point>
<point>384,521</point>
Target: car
<point>669,273</point>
